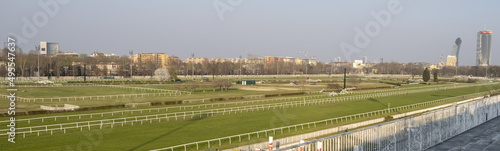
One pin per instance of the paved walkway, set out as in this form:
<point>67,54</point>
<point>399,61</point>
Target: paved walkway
<point>485,137</point>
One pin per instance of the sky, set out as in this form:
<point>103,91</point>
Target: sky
<point>395,30</point>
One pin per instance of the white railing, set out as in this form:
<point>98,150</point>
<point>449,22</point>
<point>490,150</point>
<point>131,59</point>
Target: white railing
<point>162,109</point>
<point>301,126</point>
<point>245,108</point>
<point>412,133</point>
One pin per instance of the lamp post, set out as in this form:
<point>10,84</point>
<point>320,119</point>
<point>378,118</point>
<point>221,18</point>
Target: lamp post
<point>192,67</point>
<point>240,66</point>
<point>131,63</point>
<point>38,70</point>
<point>331,68</point>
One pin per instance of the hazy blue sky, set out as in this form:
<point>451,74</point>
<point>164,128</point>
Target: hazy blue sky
<point>421,31</point>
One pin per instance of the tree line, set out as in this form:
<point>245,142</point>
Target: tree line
<point>27,65</point>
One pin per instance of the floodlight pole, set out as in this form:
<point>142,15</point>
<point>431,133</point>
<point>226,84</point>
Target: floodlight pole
<point>307,63</point>
<point>331,68</point>
<point>240,66</point>
<point>38,48</point>
<point>345,69</point>
<point>192,67</point>
<point>84,72</point>
<point>131,63</point>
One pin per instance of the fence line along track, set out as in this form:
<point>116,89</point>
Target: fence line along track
<point>186,107</point>
<point>166,108</point>
<point>132,120</point>
<point>297,103</point>
<point>412,133</point>
<point>341,119</point>
<point>117,96</point>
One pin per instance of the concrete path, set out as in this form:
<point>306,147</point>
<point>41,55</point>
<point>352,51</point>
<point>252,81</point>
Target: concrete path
<point>485,137</point>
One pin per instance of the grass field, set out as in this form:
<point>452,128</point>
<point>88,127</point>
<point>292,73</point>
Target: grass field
<point>54,92</point>
<point>164,134</point>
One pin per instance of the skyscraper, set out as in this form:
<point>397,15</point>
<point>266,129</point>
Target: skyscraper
<point>456,49</point>
<point>483,48</point>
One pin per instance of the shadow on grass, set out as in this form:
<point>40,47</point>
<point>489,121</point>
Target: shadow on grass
<point>194,119</point>
<point>377,101</point>
<point>440,95</point>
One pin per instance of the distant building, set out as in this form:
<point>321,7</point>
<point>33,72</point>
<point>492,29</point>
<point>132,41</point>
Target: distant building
<point>289,60</point>
<point>159,59</point>
<point>338,59</point>
<point>218,60</point>
<point>381,60</point>
<point>365,59</point>
<point>432,67</point>
<point>357,64</point>
<point>312,61</point>
<point>95,54</point>
<point>456,50</point>
<point>110,68</point>
<point>440,65</point>
<point>451,61</point>
<point>299,61</point>
<point>71,54</point>
<point>49,48</point>
<point>273,59</point>
<point>238,60</point>
<point>483,53</point>
<point>196,60</point>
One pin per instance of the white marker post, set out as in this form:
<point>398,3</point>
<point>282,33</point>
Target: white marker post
<point>270,143</point>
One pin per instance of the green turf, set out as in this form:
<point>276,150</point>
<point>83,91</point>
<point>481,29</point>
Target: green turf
<point>158,135</point>
<point>55,92</point>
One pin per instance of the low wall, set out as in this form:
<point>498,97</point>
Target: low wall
<point>412,133</point>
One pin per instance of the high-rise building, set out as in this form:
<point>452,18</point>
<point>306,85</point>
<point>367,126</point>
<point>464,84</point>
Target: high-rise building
<point>49,48</point>
<point>365,59</point>
<point>483,52</point>
<point>160,60</point>
<point>456,49</point>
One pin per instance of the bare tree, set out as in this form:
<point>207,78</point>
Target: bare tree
<point>193,86</point>
<point>214,84</point>
<point>227,84</point>
<point>204,86</point>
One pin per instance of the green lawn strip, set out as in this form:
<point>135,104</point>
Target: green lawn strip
<point>25,106</point>
<point>151,99</point>
<point>56,92</point>
<point>59,120</point>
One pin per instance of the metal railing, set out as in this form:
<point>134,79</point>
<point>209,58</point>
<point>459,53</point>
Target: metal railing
<point>412,133</point>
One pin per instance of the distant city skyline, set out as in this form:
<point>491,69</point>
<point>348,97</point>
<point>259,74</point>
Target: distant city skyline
<point>416,31</point>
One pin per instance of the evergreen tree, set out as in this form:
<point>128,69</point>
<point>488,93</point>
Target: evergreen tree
<point>427,75</point>
<point>436,76</point>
